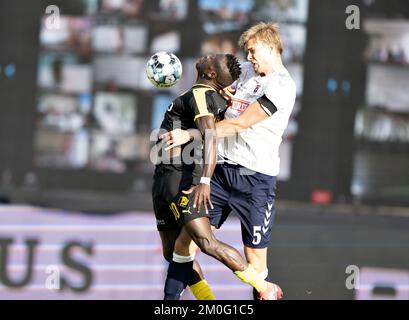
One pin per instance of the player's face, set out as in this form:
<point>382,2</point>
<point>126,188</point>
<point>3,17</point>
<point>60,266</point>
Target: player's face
<point>216,64</point>
<point>260,55</point>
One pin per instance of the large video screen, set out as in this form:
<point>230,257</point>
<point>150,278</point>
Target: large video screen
<point>95,106</point>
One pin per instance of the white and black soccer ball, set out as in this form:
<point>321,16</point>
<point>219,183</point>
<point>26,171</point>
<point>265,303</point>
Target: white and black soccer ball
<point>164,69</point>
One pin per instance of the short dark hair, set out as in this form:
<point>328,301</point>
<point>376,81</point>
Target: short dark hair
<point>234,66</point>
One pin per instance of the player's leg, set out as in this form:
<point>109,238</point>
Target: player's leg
<point>180,274</point>
<point>195,278</point>
<point>168,239</point>
<point>165,180</point>
<point>201,233</point>
<point>253,201</point>
<point>198,228</point>
<point>191,274</point>
<point>179,267</point>
<point>262,216</point>
<point>181,207</point>
<point>257,257</point>
<point>197,225</point>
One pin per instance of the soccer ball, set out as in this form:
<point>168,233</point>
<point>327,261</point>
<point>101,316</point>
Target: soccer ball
<point>164,69</point>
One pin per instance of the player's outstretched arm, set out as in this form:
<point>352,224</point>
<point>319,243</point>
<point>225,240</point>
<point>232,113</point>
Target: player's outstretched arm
<point>252,115</point>
<point>226,128</point>
<point>208,130</point>
<point>179,137</point>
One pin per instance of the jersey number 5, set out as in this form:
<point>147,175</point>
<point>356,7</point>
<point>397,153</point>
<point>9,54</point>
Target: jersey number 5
<point>256,235</point>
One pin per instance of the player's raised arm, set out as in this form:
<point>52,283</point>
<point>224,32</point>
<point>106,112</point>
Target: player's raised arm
<point>226,128</point>
<point>256,112</point>
<point>178,137</point>
<point>207,129</point>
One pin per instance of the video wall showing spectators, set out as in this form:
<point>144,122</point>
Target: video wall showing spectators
<point>95,106</point>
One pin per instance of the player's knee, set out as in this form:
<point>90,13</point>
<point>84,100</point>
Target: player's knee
<point>182,248</point>
<point>207,245</point>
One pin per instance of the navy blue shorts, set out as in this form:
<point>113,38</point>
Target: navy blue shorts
<point>250,195</point>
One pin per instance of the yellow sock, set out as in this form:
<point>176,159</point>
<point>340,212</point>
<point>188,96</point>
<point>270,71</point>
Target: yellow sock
<point>201,290</point>
<point>251,277</point>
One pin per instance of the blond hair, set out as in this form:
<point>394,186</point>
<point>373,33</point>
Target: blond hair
<point>266,32</point>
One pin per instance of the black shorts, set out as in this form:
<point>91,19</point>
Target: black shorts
<point>183,211</point>
<point>168,182</point>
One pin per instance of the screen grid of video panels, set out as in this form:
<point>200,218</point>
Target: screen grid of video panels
<point>96,108</point>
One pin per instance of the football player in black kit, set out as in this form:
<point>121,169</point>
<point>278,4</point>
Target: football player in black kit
<point>180,169</point>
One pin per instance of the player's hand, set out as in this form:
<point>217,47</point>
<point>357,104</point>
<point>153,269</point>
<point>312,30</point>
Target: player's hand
<point>192,189</point>
<point>227,93</point>
<point>202,197</point>
<point>175,138</point>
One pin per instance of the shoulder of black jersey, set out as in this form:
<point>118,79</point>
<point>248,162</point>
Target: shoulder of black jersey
<point>218,98</point>
<point>201,102</point>
<point>197,87</point>
<point>184,93</point>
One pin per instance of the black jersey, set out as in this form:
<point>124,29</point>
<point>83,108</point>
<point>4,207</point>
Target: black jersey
<point>201,100</point>
<point>177,175</point>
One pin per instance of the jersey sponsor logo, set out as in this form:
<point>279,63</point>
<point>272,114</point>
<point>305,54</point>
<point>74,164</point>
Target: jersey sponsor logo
<point>175,210</point>
<point>257,88</point>
<point>239,105</point>
<point>183,201</point>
